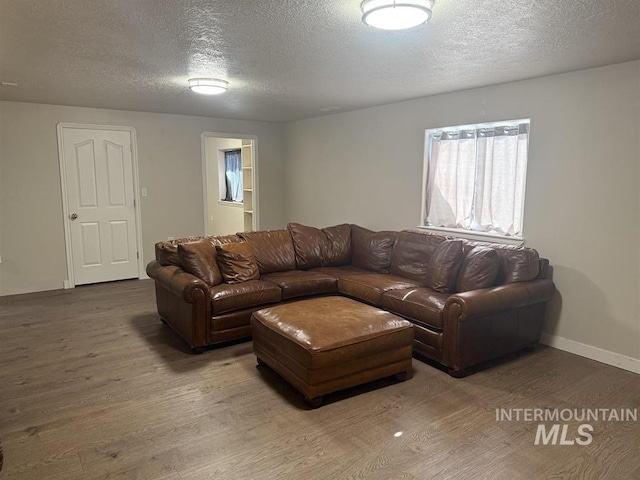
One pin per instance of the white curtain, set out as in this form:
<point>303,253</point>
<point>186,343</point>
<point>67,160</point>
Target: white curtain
<point>476,179</point>
<point>233,174</point>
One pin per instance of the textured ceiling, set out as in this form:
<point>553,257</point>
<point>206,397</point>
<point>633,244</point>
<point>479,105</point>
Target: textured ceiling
<point>292,59</point>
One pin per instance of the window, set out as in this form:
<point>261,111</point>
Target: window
<point>233,176</point>
<point>475,177</point>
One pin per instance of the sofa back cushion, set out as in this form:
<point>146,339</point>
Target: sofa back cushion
<point>327,247</point>
<point>338,247</point>
<point>273,250</point>
<point>412,252</point>
<point>237,262</point>
<point>371,250</point>
<point>167,251</point>
<point>479,269</point>
<point>199,258</point>
<point>309,245</point>
<point>517,264</point>
<point>443,266</point>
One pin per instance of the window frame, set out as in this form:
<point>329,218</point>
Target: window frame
<point>461,232</point>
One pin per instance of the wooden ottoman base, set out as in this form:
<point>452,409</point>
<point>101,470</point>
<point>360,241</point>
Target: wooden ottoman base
<point>327,344</point>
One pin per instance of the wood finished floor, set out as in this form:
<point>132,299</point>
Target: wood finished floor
<point>93,386</point>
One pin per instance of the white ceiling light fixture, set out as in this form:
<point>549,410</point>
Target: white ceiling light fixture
<point>208,86</point>
<point>396,14</point>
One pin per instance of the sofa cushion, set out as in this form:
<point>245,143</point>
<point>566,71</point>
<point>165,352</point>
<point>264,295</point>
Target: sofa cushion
<point>227,297</point>
<point>421,305</point>
<point>299,283</point>
<point>479,269</point>
<point>224,239</point>
<point>371,250</point>
<point>517,264</point>
<point>309,245</point>
<point>369,287</point>
<point>273,250</point>
<point>316,247</point>
<point>236,262</point>
<point>412,252</point>
<point>167,252</point>
<point>339,272</point>
<point>199,259</point>
<point>338,247</point>
<point>443,267</point>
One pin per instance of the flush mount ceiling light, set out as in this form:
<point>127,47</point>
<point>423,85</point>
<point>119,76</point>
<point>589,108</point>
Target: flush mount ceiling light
<point>396,15</point>
<point>208,86</point>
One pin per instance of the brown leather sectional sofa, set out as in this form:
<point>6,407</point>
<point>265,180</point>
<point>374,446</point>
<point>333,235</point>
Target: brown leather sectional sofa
<point>469,302</point>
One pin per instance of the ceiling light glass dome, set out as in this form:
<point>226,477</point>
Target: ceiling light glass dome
<point>396,15</point>
<point>208,86</point>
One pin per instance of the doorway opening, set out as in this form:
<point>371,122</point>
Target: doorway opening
<point>230,186</point>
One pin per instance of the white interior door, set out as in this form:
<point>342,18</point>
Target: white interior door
<point>100,204</point>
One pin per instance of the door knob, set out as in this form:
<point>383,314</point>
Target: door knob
<point>73,216</point>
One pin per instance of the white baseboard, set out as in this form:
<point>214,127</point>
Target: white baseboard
<point>594,353</point>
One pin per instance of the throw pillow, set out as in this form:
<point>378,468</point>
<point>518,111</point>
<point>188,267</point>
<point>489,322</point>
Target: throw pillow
<point>237,263</point>
<point>443,267</point>
<point>371,250</point>
<point>199,259</point>
<point>479,269</point>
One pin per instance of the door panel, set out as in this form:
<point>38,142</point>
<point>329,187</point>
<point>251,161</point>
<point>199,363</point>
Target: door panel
<point>86,174</point>
<point>99,173</point>
<point>119,241</point>
<point>91,248</point>
<point>115,175</point>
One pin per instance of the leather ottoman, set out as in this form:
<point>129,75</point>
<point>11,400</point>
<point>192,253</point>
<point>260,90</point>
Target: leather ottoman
<point>326,344</point>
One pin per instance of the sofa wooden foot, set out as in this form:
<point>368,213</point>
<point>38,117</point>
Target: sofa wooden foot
<point>457,373</point>
<point>197,350</point>
<point>261,362</point>
<point>314,402</point>
<point>402,376</point>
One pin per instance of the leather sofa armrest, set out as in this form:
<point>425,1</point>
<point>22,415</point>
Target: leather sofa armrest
<point>488,301</point>
<point>186,286</point>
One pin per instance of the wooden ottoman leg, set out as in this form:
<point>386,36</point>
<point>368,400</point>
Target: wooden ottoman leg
<point>402,376</point>
<point>261,362</point>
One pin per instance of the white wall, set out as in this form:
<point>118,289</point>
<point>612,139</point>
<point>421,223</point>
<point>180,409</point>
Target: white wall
<point>223,219</point>
<point>170,167</point>
<point>583,184</point>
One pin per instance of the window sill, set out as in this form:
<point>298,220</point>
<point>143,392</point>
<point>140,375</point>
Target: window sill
<point>231,204</point>
<point>477,236</point>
